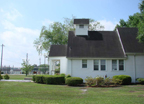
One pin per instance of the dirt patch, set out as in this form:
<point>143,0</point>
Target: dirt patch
<point>131,91</point>
<point>141,96</point>
<point>83,90</point>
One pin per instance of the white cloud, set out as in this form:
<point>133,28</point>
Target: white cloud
<point>47,22</point>
<point>108,25</point>
<point>13,14</point>
<point>7,25</point>
<point>17,40</point>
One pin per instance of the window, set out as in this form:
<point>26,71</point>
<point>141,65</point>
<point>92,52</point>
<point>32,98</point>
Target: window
<point>84,63</point>
<point>96,64</point>
<point>81,26</point>
<point>117,65</point>
<point>114,64</point>
<point>121,65</point>
<point>103,65</point>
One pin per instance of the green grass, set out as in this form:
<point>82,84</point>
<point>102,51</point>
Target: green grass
<point>19,77</point>
<point>33,93</point>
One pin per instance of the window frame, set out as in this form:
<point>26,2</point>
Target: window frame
<point>81,26</point>
<point>118,65</point>
<point>84,63</point>
<point>94,65</point>
<point>102,64</point>
<point>99,65</point>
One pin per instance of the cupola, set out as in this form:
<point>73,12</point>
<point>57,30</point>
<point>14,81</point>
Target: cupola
<point>81,27</point>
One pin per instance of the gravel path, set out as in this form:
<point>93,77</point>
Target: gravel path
<point>16,80</point>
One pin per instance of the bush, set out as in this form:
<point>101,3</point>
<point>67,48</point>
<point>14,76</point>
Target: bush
<point>94,81</point>
<point>140,80</point>
<point>90,81</point>
<point>62,74</point>
<point>99,81</point>
<point>6,76</point>
<point>126,79</point>
<point>116,81</point>
<point>1,77</point>
<point>38,79</point>
<point>33,78</point>
<point>54,79</point>
<point>49,79</point>
<point>67,76</point>
<point>107,81</point>
<point>73,81</point>
<point>2,72</point>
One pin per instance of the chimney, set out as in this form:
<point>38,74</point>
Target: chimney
<point>81,27</point>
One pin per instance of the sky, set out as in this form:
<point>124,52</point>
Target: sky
<point>21,22</point>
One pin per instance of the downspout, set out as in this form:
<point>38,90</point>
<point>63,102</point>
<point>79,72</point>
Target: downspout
<point>71,67</point>
<point>134,69</point>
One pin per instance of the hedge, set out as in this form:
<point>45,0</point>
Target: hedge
<point>126,79</point>
<point>140,80</point>
<point>54,79</point>
<point>1,77</point>
<point>38,79</point>
<point>33,78</point>
<point>6,76</point>
<point>67,76</point>
<point>73,81</point>
<point>49,79</point>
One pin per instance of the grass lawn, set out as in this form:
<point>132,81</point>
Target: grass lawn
<point>19,77</point>
<point>33,93</point>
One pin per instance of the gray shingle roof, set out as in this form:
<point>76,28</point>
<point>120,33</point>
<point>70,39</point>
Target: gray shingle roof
<point>58,50</point>
<point>130,43</point>
<point>81,21</point>
<point>101,44</point>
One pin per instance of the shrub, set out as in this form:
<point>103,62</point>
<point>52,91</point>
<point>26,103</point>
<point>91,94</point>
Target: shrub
<point>1,77</point>
<point>126,79</point>
<point>90,81</point>
<point>2,72</point>
<point>116,81</point>
<point>38,79</point>
<point>54,79</point>
<point>49,79</point>
<point>6,76</point>
<point>62,74</point>
<point>99,81</point>
<point>67,76</point>
<point>73,81</point>
<point>140,80</point>
<point>107,81</point>
<point>33,78</point>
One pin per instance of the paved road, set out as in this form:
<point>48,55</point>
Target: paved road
<point>16,80</point>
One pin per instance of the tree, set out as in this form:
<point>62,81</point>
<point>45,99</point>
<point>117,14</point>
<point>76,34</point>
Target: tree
<point>135,20</point>
<point>140,36</point>
<point>35,67</point>
<point>57,33</point>
<point>141,6</point>
<point>43,68</point>
<point>26,67</point>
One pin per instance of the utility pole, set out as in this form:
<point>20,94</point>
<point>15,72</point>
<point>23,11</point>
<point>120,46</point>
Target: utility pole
<point>1,58</point>
<point>44,59</point>
<point>39,61</point>
<point>27,58</point>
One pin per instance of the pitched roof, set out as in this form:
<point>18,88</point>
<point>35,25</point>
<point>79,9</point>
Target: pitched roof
<point>101,44</point>
<point>129,41</point>
<point>81,21</point>
<point>58,50</point>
